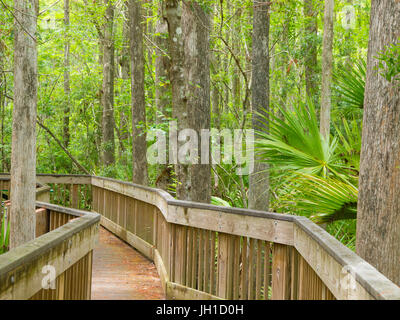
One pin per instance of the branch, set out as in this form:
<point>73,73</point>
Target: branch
<point>62,147</point>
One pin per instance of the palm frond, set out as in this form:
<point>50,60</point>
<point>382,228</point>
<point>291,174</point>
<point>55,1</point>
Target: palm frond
<point>350,83</point>
<point>296,144</point>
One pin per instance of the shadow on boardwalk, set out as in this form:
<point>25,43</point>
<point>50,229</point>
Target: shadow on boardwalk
<point>122,273</point>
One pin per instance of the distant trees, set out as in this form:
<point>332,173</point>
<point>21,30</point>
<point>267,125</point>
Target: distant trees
<point>378,214</point>
<point>23,155</point>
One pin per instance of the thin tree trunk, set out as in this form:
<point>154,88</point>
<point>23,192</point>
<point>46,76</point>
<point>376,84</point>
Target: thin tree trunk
<point>196,27</point>
<point>326,91</point>
<point>310,55</point>
<point>378,215</point>
<point>162,68</point>
<point>259,179</point>
<point>67,88</point>
<point>162,90</point>
<point>138,95</point>
<point>3,91</point>
<point>108,88</point>
<point>23,154</point>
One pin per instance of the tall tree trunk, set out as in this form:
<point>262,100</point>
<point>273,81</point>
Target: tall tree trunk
<point>259,179</point>
<point>327,69</point>
<point>196,26</point>
<point>378,215</point>
<point>173,15</point>
<point>138,95</point>
<point>23,154</point>
<point>3,91</point>
<point>124,62</point>
<point>310,55</point>
<point>67,88</point>
<point>108,88</point>
<point>162,90</point>
<point>162,68</point>
<point>125,55</point>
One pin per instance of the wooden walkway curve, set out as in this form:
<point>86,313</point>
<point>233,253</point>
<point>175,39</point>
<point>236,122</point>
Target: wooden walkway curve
<point>122,273</point>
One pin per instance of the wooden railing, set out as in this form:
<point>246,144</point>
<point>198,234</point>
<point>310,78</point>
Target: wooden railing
<point>208,252</point>
<point>57,265</point>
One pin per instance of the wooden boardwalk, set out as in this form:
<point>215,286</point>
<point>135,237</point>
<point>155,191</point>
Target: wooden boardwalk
<point>122,273</point>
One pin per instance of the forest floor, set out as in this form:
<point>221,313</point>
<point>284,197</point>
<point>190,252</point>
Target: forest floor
<point>122,273</point>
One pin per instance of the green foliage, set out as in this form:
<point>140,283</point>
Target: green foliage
<point>389,62</point>
<point>314,176</point>
<point>296,145</point>
<point>4,231</point>
<point>350,84</point>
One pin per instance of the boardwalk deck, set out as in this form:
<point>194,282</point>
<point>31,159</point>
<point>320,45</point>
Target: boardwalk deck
<point>122,273</point>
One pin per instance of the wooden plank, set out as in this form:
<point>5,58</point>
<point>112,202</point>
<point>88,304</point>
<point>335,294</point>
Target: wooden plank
<point>74,196</point>
<point>61,248</point>
<point>142,246</point>
<point>176,291</point>
<point>244,271</point>
<point>281,272</point>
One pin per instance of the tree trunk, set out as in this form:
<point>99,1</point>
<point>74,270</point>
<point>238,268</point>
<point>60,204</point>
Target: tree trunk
<point>67,88</point>
<point>196,26</point>
<point>108,88</point>
<point>378,215</point>
<point>173,14</point>
<point>162,90</point>
<point>162,68</point>
<point>259,179</point>
<point>326,91</point>
<point>23,154</point>
<point>3,91</point>
<point>125,56</point>
<point>138,96</point>
<point>310,55</point>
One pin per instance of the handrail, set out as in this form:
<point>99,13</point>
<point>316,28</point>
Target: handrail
<point>312,249</point>
<point>62,248</point>
<point>365,275</point>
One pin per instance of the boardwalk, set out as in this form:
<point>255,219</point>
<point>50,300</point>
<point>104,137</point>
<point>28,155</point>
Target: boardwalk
<point>121,273</point>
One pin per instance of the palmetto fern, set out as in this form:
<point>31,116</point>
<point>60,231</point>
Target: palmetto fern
<point>327,200</point>
<point>314,180</point>
<point>350,83</point>
<point>296,145</point>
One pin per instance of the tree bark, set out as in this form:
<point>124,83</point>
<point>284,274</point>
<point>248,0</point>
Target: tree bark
<point>310,55</point>
<point>196,27</point>
<point>162,90</point>
<point>67,87</point>
<point>162,68</point>
<point>23,154</point>
<point>138,95</point>
<point>378,215</point>
<point>3,92</point>
<point>173,15</point>
<point>259,179</point>
<point>108,88</point>
<point>326,92</point>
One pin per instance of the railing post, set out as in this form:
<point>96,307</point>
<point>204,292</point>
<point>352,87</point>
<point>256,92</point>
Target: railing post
<point>281,272</point>
<point>224,266</point>
<point>75,196</point>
